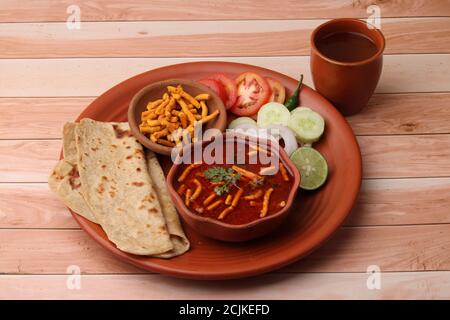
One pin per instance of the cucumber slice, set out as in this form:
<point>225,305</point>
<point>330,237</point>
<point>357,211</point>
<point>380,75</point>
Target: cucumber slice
<point>312,166</point>
<point>308,125</point>
<point>241,120</point>
<point>273,113</point>
<point>300,109</point>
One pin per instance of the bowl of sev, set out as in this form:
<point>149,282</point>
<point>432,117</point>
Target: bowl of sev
<point>233,200</point>
<point>162,113</point>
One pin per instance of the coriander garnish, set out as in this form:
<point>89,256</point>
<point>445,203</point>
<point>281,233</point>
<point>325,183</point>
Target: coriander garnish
<point>227,177</point>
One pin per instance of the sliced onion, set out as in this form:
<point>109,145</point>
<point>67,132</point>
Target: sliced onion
<point>281,132</point>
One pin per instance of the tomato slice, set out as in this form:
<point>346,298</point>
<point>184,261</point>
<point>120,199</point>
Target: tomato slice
<point>278,91</point>
<point>252,92</point>
<point>229,86</point>
<point>217,87</point>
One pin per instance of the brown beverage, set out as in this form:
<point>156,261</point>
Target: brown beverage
<point>347,46</point>
<point>346,62</point>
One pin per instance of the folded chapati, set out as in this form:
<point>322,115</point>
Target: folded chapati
<point>118,188</point>
<point>179,241</point>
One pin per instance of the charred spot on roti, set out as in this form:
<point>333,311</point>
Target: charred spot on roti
<point>138,184</point>
<point>163,228</point>
<point>73,177</point>
<point>141,207</point>
<point>120,133</point>
<point>104,178</point>
<point>129,157</point>
<point>152,210</point>
<point>128,147</point>
<point>94,148</point>
<point>138,169</point>
<point>139,152</point>
<point>103,166</point>
<point>114,146</point>
<point>112,194</point>
<point>100,188</point>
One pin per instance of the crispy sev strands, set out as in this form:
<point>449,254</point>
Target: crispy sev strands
<point>204,109</point>
<point>181,189</point>
<point>214,204</point>
<point>191,99</point>
<point>198,189</point>
<point>175,109</point>
<point>202,96</point>
<point>246,173</point>
<point>266,200</point>
<point>187,198</point>
<point>209,199</point>
<point>187,171</point>
<point>256,195</point>
<point>224,213</point>
<point>237,197</point>
<point>210,117</point>
<point>228,199</point>
<point>283,172</point>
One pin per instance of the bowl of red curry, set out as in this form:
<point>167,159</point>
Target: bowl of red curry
<point>233,187</point>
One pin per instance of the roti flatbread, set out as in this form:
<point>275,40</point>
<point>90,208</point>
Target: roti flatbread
<point>106,178</point>
<point>179,240</point>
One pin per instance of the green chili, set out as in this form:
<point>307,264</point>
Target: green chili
<point>292,102</point>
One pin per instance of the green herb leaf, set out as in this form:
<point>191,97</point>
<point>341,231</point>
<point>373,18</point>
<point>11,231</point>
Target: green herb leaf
<point>219,174</point>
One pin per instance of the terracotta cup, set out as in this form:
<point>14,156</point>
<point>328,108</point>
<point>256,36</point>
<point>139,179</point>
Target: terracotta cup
<point>348,85</point>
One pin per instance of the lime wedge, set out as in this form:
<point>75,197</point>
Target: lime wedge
<point>312,166</point>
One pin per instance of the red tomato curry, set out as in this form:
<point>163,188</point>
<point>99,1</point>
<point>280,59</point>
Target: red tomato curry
<point>234,193</point>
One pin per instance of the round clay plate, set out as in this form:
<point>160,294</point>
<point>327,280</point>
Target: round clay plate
<point>315,216</point>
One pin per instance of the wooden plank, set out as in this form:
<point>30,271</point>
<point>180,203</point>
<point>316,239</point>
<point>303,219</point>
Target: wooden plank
<point>381,202</point>
<point>32,206</point>
<point>408,285</point>
<point>48,10</point>
<point>38,118</point>
<point>405,156</point>
<point>402,201</point>
<point>190,38</point>
<point>393,248</point>
<point>27,160</point>
<point>415,113</point>
<point>383,157</point>
<point>91,77</point>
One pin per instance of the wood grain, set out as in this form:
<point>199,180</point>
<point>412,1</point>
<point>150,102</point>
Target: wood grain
<point>402,201</point>
<point>408,285</point>
<point>189,38</point>
<point>38,118</point>
<point>381,202</point>
<point>48,10</point>
<point>91,77</point>
<point>32,205</point>
<point>27,160</point>
<point>415,113</point>
<point>405,156</point>
<point>384,157</point>
<point>352,250</point>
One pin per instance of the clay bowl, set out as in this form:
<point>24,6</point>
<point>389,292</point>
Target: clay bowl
<point>155,91</point>
<point>219,230</point>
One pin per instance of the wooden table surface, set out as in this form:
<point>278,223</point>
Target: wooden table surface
<point>49,74</point>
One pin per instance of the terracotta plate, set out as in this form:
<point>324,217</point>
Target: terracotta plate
<point>315,216</point>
